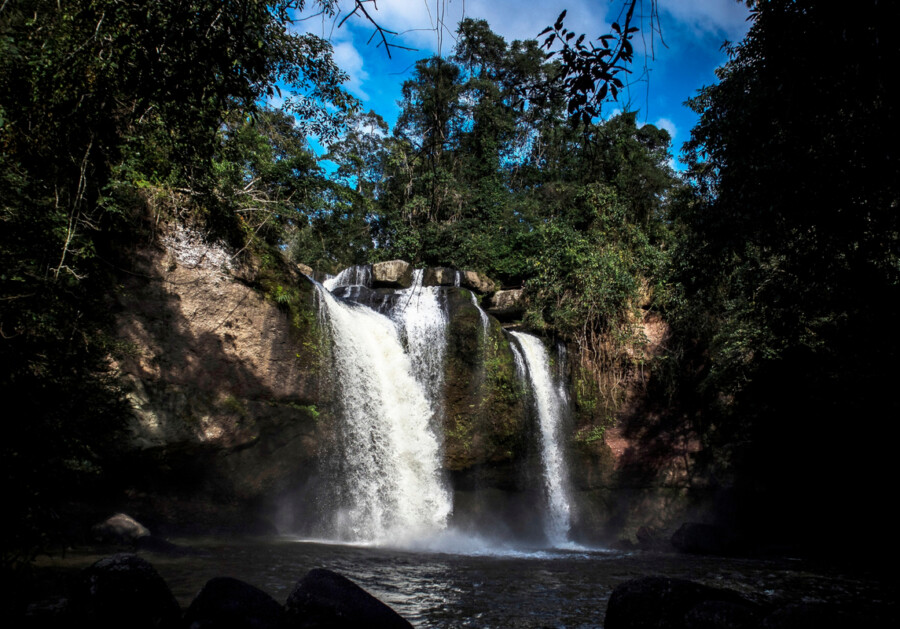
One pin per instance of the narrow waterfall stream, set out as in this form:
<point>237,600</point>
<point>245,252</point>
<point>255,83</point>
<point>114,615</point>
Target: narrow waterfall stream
<point>423,323</point>
<point>390,487</point>
<point>550,403</point>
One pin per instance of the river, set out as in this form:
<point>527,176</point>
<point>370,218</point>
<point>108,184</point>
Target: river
<point>501,587</point>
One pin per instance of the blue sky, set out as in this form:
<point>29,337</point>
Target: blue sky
<point>679,63</point>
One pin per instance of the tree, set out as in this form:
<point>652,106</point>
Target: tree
<point>789,250</point>
<point>592,72</point>
<point>101,101</point>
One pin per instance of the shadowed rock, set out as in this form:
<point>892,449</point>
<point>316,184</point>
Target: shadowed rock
<point>822,616</point>
<point>326,599</point>
<point>124,590</point>
<point>226,603</point>
<point>663,603</point>
<point>722,615</point>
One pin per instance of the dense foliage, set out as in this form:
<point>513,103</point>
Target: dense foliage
<point>789,255</point>
<point>485,171</point>
<point>104,106</point>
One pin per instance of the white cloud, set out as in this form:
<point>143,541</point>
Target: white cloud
<point>350,61</point>
<point>716,17</point>
<point>668,125</point>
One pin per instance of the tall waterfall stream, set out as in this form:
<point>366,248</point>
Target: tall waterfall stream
<point>550,402</point>
<point>389,487</point>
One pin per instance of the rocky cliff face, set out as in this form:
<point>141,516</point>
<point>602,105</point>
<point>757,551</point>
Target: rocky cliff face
<point>233,409</point>
<point>223,380</point>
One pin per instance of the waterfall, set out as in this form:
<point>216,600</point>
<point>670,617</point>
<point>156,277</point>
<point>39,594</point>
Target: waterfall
<point>550,403</point>
<point>359,275</point>
<point>390,487</point>
<point>423,323</point>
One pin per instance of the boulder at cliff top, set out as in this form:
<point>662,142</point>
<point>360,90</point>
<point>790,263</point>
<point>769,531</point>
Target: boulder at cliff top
<point>506,305</point>
<point>124,591</point>
<point>439,276</point>
<point>478,282</point>
<point>326,599</point>
<point>229,603</point>
<point>119,529</point>
<point>393,274</point>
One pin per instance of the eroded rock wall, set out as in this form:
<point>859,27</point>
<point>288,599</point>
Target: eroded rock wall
<point>223,380</point>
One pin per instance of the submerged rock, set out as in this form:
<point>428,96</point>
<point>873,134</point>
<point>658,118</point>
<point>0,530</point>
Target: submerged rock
<point>124,590</point>
<point>226,603</point>
<point>119,529</point>
<point>326,599</point>
<point>393,274</point>
<point>665,603</point>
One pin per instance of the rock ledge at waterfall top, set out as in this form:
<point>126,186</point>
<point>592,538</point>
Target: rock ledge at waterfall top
<point>506,305</point>
<point>392,274</point>
<point>446,276</point>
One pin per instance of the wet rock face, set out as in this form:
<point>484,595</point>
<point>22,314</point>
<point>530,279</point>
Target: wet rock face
<point>220,374</point>
<point>486,423</point>
<point>392,274</point>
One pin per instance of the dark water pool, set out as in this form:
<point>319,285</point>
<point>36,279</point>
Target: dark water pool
<point>503,587</point>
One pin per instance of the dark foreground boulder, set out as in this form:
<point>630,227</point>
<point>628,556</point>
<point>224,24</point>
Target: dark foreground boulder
<point>325,599</point>
<point>705,539</point>
<point>123,590</point>
<point>226,603</point>
<point>665,603</point>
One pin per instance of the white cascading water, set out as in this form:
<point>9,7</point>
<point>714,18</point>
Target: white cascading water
<point>424,324</point>
<point>391,487</point>
<point>550,408</point>
<point>359,275</point>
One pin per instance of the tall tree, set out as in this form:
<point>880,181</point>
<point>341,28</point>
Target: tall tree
<point>791,248</point>
<point>101,100</point>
